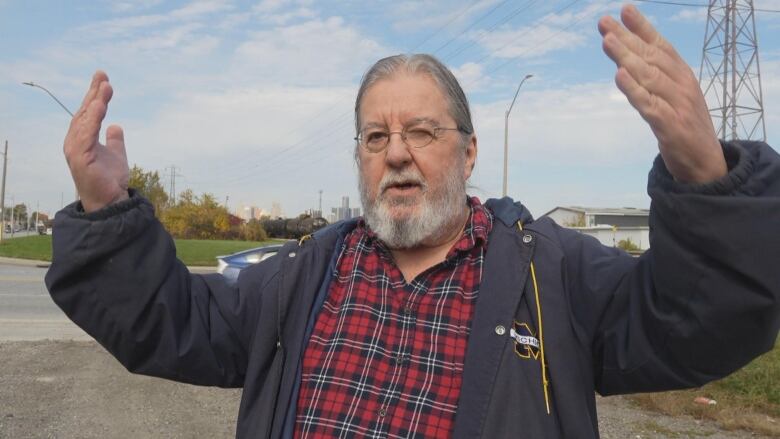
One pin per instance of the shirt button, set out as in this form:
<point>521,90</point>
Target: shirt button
<point>527,238</point>
<point>399,359</point>
<point>500,330</point>
<point>382,413</point>
<point>291,254</point>
<point>408,310</point>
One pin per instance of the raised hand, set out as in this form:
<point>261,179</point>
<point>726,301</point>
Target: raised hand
<point>661,86</point>
<point>100,171</point>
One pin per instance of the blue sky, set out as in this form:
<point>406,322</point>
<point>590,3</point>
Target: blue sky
<point>253,100</point>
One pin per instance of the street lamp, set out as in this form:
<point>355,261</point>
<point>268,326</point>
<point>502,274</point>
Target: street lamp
<point>32,84</point>
<point>506,130</point>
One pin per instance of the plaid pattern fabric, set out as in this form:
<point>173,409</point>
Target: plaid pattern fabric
<point>385,358</point>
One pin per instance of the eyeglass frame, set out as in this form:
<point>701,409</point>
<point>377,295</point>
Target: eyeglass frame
<point>402,133</point>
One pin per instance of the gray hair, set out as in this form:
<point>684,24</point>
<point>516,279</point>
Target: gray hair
<point>421,63</point>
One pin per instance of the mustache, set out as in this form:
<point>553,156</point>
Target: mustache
<point>406,177</point>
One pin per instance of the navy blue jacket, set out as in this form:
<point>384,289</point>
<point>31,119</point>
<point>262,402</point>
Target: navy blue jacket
<point>697,306</point>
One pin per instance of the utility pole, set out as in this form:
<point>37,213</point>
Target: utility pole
<point>2,193</point>
<point>227,197</point>
<point>730,76</point>
<point>13,215</point>
<point>172,193</point>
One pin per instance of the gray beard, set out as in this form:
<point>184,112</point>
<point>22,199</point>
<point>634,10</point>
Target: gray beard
<point>439,212</point>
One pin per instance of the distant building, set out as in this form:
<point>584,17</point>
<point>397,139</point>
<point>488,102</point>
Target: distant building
<point>608,225</point>
<point>343,212</point>
<point>355,212</point>
<point>276,210</point>
<point>250,212</point>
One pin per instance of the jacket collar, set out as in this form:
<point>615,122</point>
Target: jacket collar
<point>509,211</point>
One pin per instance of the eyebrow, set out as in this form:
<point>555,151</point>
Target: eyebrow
<point>412,121</point>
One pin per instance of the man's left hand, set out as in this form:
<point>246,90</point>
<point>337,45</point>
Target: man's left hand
<point>662,87</point>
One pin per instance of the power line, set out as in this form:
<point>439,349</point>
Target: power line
<point>335,127</point>
<point>316,135</point>
<point>449,22</point>
<point>697,5</point>
<point>474,23</point>
<point>504,20</point>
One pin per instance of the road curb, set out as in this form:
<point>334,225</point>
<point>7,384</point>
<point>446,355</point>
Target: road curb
<point>45,264</point>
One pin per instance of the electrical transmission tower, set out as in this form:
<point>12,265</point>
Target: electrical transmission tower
<point>730,76</point>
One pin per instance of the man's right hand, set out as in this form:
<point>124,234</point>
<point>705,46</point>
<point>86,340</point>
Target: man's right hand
<point>100,171</point>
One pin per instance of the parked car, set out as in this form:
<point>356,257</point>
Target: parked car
<point>230,265</point>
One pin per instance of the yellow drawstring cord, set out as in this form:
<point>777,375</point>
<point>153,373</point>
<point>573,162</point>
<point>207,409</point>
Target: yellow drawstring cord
<point>545,382</point>
<point>303,239</point>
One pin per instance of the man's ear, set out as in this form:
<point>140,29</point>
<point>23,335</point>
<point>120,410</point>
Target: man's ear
<point>471,157</point>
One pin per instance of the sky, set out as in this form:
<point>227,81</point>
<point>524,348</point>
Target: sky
<point>252,101</point>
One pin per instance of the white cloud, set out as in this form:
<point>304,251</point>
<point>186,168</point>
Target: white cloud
<point>123,6</point>
<point>317,52</point>
<point>202,7</point>
<point>285,17</point>
<point>471,76</point>
<point>547,34</point>
<point>432,15</point>
<point>690,15</point>
<point>529,42</point>
<point>270,5</point>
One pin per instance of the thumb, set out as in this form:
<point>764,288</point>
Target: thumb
<point>115,141</point>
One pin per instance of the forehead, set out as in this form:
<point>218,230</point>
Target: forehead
<point>403,98</point>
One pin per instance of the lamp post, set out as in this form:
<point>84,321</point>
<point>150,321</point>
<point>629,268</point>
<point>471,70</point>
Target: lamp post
<point>32,84</point>
<point>506,131</point>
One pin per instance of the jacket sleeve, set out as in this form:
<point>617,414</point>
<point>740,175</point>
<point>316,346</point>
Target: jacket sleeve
<point>114,272</point>
<point>704,300</point>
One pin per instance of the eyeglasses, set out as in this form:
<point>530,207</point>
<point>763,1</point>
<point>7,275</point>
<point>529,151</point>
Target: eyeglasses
<point>417,136</point>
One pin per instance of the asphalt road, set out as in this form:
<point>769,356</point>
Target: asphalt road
<point>26,310</point>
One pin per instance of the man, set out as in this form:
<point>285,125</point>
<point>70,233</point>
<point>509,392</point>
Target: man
<point>436,315</point>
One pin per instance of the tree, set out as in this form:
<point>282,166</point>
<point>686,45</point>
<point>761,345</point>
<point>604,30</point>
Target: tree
<point>254,231</point>
<point>17,212</point>
<point>197,217</point>
<point>148,185</point>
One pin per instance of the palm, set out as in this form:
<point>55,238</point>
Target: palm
<point>99,171</point>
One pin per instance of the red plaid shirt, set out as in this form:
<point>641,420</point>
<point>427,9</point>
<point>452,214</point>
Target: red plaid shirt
<point>385,358</point>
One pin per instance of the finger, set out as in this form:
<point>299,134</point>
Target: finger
<point>90,122</point>
<point>652,109</point>
<point>647,75</point>
<point>639,25</point>
<point>651,54</point>
<point>115,141</point>
<point>94,86</point>
<point>75,124</point>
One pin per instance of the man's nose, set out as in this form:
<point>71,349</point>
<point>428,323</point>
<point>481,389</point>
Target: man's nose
<point>397,153</point>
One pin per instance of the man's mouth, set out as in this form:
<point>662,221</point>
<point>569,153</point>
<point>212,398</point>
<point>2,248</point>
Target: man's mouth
<point>402,187</point>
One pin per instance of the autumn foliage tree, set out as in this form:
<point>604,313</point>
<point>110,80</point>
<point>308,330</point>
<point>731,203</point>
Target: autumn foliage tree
<point>149,186</point>
<point>197,217</point>
<point>192,216</point>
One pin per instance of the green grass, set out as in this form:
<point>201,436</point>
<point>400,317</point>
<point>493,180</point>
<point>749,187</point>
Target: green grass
<point>36,247</point>
<point>190,251</point>
<point>749,399</point>
<point>203,253</point>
